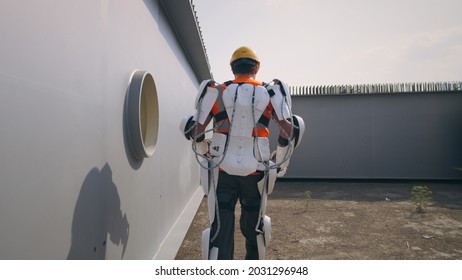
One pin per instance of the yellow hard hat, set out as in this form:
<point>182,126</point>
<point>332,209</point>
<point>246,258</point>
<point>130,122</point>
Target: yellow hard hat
<point>244,52</point>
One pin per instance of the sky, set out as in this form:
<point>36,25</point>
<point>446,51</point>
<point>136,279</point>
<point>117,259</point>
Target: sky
<point>336,42</point>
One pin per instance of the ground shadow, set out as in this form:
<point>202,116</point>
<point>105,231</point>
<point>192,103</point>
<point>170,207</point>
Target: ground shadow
<point>97,215</point>
<point>446,194</point>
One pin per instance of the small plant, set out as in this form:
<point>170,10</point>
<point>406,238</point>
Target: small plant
<point>307,199</point>
<point>422,197</point>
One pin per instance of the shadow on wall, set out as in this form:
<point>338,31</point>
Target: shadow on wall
<point>97,214</point>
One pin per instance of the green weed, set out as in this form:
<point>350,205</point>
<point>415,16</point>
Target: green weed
<point>422,197</point>
<point>307,199</point>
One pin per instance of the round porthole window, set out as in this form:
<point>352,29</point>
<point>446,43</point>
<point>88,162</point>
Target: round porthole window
<point>142,113</point>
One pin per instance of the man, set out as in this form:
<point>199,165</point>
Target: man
<point>239,152</point>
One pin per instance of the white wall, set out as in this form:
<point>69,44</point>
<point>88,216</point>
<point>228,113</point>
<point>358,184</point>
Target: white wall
<point>69,186</point>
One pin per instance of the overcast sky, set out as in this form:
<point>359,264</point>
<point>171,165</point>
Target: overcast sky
<point>331,42</point>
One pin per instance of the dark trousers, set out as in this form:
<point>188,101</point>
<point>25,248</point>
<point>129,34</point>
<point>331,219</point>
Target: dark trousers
<point>231,188</point>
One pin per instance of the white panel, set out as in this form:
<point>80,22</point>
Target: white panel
<point>49,121</point>
<point>69,186</point>
<point>153,191</point>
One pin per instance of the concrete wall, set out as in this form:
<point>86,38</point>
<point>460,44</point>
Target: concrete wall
<point>380,136</point>
<point>69,185</point>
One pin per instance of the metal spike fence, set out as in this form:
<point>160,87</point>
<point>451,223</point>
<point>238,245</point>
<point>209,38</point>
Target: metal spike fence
<point>377,88</point>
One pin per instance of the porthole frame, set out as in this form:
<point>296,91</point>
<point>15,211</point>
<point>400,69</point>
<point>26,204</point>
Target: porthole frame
<point>142,114</point>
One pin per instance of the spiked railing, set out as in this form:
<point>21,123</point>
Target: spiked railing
<point>377,88</point>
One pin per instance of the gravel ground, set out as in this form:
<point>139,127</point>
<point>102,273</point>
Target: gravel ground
<point>352,221</point>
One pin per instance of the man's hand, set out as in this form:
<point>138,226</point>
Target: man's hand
<point>203,147</point>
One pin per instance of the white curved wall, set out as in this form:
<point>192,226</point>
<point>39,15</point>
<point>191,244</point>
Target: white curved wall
<point>69,186</point>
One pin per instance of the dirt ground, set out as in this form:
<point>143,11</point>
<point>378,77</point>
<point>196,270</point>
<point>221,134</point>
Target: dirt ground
<point>352,221</point>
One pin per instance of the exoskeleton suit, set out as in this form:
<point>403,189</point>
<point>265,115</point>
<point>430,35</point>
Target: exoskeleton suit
<point>236,163</point>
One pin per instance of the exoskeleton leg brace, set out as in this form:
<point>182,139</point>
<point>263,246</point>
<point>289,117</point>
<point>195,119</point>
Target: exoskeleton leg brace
<point>209,178</point>
<point>263,227</point>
